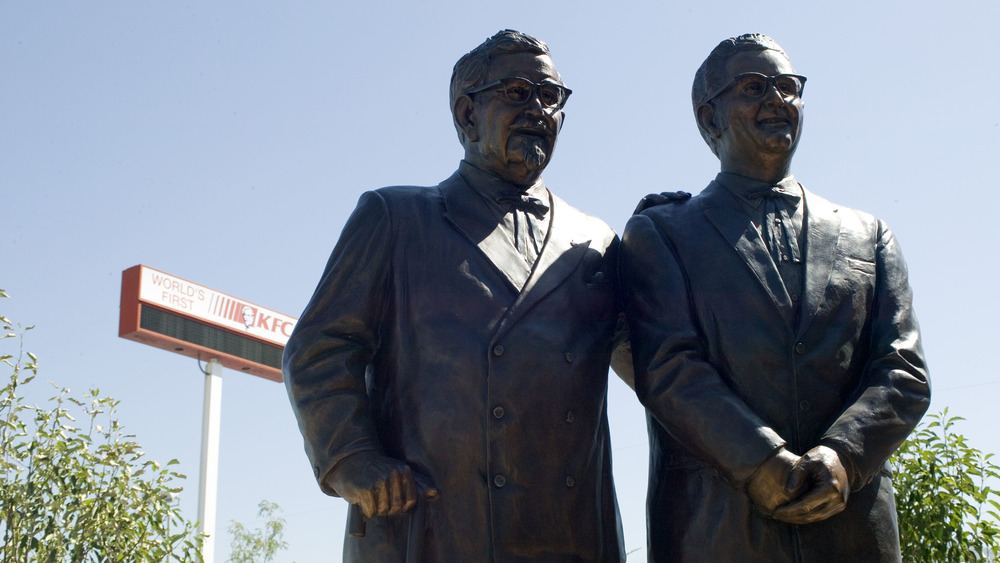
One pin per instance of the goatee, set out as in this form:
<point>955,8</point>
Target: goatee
<point>532,152</point>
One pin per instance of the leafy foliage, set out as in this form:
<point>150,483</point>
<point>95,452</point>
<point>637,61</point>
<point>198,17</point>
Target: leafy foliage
<point>947,510</point>
<point>259,545</point>
<point>79,492</point>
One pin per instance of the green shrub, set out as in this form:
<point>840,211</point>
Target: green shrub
<point>79,491</point>
<point>262,544</point>
<point>947,509</point>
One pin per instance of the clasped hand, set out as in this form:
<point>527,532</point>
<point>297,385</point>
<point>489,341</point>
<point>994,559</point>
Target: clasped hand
<point>801,490</point>
<point>379,485</point>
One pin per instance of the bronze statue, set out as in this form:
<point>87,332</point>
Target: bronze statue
<point>449,375</point>
<point>775,345</point>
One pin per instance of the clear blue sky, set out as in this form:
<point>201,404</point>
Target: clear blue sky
<point>227,142</point>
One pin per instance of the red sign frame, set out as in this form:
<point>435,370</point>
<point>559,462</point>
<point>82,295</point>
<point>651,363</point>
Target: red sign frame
<point>154,324</point>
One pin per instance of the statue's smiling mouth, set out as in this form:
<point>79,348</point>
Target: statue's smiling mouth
<point>773,120</point>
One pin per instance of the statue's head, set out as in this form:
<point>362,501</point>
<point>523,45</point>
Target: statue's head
<point>747,100</point>
<point>506,100</point>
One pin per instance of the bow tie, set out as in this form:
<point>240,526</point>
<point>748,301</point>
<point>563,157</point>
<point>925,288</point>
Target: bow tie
<point>769,192</point>
<point>524,202</point>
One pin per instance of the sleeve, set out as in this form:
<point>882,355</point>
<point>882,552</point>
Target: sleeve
<point>895,388</point>
<point>621,347</point>
<point>673,379</point>
<point>335,340</point>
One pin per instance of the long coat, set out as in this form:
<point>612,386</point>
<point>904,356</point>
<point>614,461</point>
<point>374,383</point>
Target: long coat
<point>728,373</point>
<point>429,339</point>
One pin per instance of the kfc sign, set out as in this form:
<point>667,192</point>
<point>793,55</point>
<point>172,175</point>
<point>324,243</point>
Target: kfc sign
<point>171,313</point>
<point>178,294</point>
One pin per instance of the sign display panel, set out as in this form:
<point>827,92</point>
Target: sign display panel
<point>172,313</point>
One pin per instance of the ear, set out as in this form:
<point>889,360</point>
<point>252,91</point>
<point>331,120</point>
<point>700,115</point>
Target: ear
<point>465,119</point>
<point>707,120</point>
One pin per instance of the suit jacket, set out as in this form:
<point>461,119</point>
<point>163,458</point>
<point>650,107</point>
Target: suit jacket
<point>729,373</point>
<point>430,340</point>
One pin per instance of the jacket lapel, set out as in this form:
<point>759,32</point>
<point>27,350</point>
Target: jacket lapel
<point>822,239</point>
<point>467,210</point>
<point>565,246</point>
<point>725,213</point>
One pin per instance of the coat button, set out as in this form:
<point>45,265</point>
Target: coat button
<point>499,481</point>
<point>498,412</point>
<point>800,348</point>
<point>570,357</point>
<point>498,350</point>
<point>570,416</point>
<point>803,406</point>
<point>570,481</point>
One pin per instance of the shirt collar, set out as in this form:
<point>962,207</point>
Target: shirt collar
<point>741,186</point>
<point>491,187</point>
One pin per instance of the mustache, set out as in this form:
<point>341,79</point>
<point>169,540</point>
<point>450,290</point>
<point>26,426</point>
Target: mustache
<point>532,125</point>
<point>779,113</point>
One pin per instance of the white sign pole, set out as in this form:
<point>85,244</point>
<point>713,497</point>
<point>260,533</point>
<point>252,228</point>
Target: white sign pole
<point>208,483</point>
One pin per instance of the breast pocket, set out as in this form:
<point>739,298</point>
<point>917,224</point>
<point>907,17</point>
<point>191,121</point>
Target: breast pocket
<point>859,265</point>
<point>853,284</point>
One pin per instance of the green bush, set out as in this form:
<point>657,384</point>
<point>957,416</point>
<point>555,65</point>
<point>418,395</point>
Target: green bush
<point>947,510</point>
<point>262,544</point>
<point>79,491</point>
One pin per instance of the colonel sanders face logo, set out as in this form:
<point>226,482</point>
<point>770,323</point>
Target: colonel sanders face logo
<point>248,316</point>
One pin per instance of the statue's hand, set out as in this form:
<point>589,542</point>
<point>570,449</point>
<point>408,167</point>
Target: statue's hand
<point>822,474</point>
<point>768,487</point>
<point>380,485</point>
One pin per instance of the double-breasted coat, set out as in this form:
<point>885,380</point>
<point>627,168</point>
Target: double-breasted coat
<point>729,372</point>
<point>430,340</point>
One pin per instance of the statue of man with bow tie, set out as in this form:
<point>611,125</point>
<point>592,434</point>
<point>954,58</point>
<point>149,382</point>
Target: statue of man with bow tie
<point>775,345</point>
<point>449,375</point>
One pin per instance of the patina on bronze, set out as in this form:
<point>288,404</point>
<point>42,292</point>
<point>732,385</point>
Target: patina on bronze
<point>449,375</point>
<point>775,345</point>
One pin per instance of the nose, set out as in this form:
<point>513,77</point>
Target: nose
<point>533,105</point>
<point>534,112</point>
<point>772,95</point>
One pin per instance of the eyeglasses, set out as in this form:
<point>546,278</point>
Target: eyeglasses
<point>755,85</point>
<point>521,90</point>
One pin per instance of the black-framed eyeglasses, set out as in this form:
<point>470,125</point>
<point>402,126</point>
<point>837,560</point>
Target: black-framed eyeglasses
<point>755,85</point>
<point>518,90</point>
